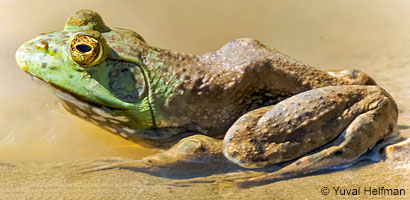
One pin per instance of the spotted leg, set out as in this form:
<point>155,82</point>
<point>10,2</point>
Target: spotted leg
<point>314,130</point>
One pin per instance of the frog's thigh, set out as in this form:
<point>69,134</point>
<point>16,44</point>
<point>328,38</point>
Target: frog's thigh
<point>308,121</point>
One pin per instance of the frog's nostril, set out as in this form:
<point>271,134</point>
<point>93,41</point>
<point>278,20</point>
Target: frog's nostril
<point>42,45</point>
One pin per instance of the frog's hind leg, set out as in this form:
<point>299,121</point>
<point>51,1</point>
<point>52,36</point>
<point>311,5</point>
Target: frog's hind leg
<point>314,130</point>
<point>375,123</point>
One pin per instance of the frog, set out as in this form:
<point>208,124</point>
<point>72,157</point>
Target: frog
<point>245,104</point>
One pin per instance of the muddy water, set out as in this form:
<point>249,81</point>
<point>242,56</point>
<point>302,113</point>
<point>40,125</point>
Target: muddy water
<point>36,134</point>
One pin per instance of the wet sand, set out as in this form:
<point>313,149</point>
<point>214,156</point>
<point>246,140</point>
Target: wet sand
<point>42,147</point>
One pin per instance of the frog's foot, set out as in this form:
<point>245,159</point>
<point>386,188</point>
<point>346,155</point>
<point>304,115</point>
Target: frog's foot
<point>353,77</point>
<point>185,155</point>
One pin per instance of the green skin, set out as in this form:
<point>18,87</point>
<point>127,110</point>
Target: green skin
<point>269,107</point>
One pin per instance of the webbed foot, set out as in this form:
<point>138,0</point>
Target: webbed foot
<point>187,154</point>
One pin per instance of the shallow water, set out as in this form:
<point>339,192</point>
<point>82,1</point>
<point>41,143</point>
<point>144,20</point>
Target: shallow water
<point>37,134</point>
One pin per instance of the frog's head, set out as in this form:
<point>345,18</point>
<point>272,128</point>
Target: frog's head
<point>87,66</point>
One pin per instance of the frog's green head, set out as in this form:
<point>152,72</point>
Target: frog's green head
<point>90,67</point>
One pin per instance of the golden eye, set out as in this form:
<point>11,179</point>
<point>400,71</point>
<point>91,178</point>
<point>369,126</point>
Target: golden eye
<point>86,50</point>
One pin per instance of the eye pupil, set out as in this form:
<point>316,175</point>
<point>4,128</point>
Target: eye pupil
<point>83,48</point>
<point>86,50</point>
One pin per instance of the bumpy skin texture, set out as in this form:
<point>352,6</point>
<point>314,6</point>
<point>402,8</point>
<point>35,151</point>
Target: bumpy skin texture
<point>270,108</point>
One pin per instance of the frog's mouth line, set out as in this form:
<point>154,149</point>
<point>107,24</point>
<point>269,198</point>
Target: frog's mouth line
<point>61,94</point>
<point>37,79</point>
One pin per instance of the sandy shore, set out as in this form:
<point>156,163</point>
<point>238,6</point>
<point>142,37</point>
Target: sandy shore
<point>62,181</point>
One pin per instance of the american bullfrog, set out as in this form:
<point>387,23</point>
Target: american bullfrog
<point>245,103</point>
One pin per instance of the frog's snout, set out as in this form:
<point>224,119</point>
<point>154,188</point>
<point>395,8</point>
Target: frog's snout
<point>21,57</point>
<point>25,52</point>
<point>24,57</point>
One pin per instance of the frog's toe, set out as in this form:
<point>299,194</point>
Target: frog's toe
<point>112,163</point>
<point>219,179</point>
<point>98,167</point>
<point>86,165</point>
